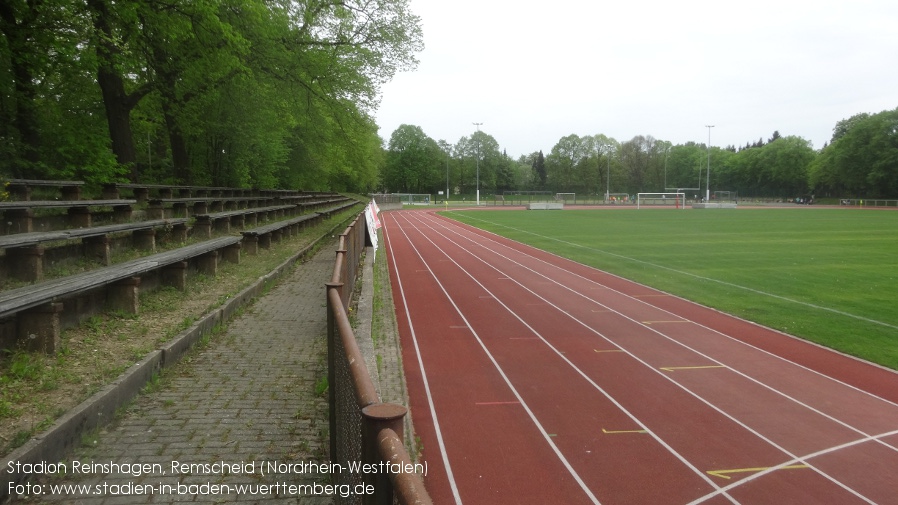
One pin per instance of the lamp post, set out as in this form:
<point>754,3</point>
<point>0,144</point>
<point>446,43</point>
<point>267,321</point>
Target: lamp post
<point>666,153</point>
<point>608,180</point>
<point>478,162</point>
<point>447,178</point>
<point>708,175</point>
<point>598,171</point>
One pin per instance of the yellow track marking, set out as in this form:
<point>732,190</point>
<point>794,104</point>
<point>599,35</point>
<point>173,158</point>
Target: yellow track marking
<point>672,368</point>
<point>725,474</point>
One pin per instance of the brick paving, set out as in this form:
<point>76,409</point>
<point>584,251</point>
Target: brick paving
<point>245,399</point>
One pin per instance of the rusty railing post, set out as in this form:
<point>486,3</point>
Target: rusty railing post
<point>377,417</point>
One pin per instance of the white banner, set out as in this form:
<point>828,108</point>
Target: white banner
<point>373,224</point>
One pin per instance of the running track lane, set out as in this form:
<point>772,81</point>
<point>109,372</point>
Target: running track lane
<point>533,379</point>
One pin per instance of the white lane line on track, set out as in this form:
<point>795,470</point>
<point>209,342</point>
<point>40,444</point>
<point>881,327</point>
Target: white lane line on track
<point>709,279</point>
<point>580,372</point>
<point>695,395</point>
<point>433,414</point>
<point>542,430</point>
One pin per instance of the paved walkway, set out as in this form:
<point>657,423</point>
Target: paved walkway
<point>223,414</point>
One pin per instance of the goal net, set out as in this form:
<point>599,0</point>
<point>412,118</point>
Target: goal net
<point>725,196</point>
<point>677,200</point>
<point>566,197</point>
<point>414,198</point>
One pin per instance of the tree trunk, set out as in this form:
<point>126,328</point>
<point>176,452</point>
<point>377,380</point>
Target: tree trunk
<point>115,99</point>
<point>118,115</point>
<point>179,154</point>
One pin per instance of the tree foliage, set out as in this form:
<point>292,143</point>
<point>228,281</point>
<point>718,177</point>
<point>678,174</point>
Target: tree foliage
<point>862,159</point>
<point>413,161</point>
<point>223,92</point>
<point>778,168</point>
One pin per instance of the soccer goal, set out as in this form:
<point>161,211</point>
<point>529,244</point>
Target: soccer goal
<point>566,197</point>
<point>677,200</point>
<point>725,197</point>
<point>414,198</point>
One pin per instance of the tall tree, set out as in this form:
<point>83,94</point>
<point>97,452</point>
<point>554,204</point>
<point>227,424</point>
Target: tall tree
<point>562,163</point>
<point>539,170</point>
<point>776,169</point>
<point>413,161</point>
<point>862,159</point>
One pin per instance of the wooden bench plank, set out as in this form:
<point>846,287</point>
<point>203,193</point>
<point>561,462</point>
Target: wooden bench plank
<point>36,204</point>
<point>17,300</point>
<point>135,185</point>
<point>33,238</point>
<point>338,208</point>
<point>133,226</point>
<point>268,228</point>
<point>41,182</point>
<point>196,199</point>
<point>21,188</point>
<point>231,213</point>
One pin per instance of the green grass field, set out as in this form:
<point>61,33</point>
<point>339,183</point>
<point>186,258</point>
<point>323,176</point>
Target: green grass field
<point>827,275</point>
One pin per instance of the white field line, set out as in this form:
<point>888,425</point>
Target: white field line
<point>700,277</point>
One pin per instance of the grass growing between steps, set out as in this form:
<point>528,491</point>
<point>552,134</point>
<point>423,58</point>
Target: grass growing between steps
<point>36,389</point>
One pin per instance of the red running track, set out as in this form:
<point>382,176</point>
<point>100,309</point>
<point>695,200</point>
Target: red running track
<point>534,379</point>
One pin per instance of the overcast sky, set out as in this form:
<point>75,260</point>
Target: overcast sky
<point>533,72</point>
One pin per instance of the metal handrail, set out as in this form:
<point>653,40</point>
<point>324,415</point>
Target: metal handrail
<point>381,424</point>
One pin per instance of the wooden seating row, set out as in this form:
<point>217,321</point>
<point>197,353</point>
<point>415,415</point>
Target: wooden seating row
<point>185,207</point>
<point>38,310</point>
<point>33,316</point>
<point>223,221</point>
<point>337,208</point>
<point>319,203</point>
<point>142,192</point>
<point>19,216</point>
<point>24,251</point>
<point>264,236</point>
<point>21,189</point>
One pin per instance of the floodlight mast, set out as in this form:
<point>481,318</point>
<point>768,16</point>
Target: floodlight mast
<point>478,162</point>
<point>708,175</point>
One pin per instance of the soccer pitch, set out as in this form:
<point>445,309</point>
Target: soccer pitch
<point>825,274</point>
